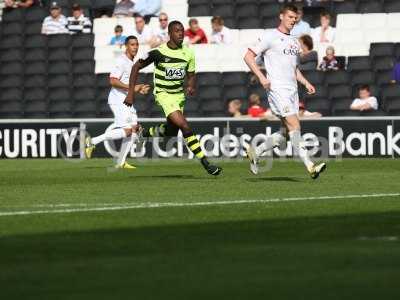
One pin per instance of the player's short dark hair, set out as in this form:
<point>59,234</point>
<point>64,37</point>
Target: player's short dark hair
<point>364,87</point>
<point>217,20</point>
<point>325,14</point>
<point>118,28</point>
<point>131,37</point>
<point>172,24</point>
<point>308,41</point>
<point>289,7</point>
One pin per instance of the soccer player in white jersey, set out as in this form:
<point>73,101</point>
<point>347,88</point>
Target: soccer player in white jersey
<point>281,54</point>
<point>125,118</point>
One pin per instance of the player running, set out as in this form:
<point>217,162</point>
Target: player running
<point>125,118</point>
<point>173,62</point>
<point>281,53</point>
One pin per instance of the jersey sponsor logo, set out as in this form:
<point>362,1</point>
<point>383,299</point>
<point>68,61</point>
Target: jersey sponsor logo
<point>175,73</point>
<point>292,50</point>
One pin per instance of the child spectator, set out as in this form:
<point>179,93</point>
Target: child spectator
<point>308,56</point>
<point>118,39</point>
<point>220,34</point>
<point>255,109</point>
<point>56,23</point>
<point>234,107</point>
<point>194,33</point>
<point>329,62</point>
<point>365,101</point>
<point>78,23</point>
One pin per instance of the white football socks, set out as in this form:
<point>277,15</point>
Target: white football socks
<point>114,134</point>
<point>126,146</point>
<point>300,149</point>
<point>275,140</point>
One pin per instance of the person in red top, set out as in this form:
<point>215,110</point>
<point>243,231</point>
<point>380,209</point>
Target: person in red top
<point>255,110</point>
<point>195,34</point>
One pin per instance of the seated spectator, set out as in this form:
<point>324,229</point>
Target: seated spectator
<point>144,33</point>
<point>78,23</point>
<point>220,34</point>
<point>123,9</point>
<point>194,33</point>
<point>147,8</point>
<point>329,62</point>
<point>255,109</point>
<point>103,8</point>
<point>118,39</point>
<point>365,100</point>
<point>301,27</point>
<point>161,33</point>
<point>56,23</point>
<point>305,114</point>
<point>18,3</point>
<point>307,55</point>
<point>396,73</point>
<point>234,107</point>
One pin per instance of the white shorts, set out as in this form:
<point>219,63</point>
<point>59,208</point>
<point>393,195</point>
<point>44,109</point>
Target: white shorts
<point>124,116</point>
<point>284,102</point>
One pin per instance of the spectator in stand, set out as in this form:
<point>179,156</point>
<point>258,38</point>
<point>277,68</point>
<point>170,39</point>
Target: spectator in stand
<point>220,34</point>
<point>301,27</point>
<point>147,8</point>
<point>365,100</point>
<point>234,107</point>
<point>307,55</point>
<point>305,114</point>
<point>195,34</point>
<point>118,39</point>
<point>161,33</point>
<point>396,73</point>
<point>323,35</point>
<point>78,23</point>
<point>144,33</point>
<point>123,9</point>
<point>56,23</point>
<point>19,3</point>
<point>255,109</point>
<point>329,62</point>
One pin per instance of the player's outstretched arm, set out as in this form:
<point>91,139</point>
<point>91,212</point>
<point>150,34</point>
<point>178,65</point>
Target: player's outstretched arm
<point>140,64</point>
<point>300,78</point>
<point>250,60</point>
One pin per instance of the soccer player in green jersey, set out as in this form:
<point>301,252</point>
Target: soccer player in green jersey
<point>173,62</point>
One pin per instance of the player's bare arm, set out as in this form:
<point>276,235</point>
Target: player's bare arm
<point>130,98</point>
<point>300,78</point>
<point>250,60</point>
<point>191,87</point>
<point>139,88</point>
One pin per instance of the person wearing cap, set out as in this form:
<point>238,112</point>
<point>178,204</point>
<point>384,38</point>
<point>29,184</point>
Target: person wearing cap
<point>78,23</point>
<point>56,23</point>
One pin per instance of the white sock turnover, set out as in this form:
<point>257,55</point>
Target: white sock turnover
<point>126,146</point>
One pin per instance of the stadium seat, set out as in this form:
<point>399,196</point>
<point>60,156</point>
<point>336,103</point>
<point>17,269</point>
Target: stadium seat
<point>384,77</point>
<point>248,23</point>
<point>82,40</point>
<point>83,94</point>
<point>84,80</point>
<point>358,63</point>
<point>215,105</point>
<point>337,77</point>
<point>373,113</point>
<point>269,9</point>
<point>341,105</point>
<point>391,91</point>
<point>234,78</point>
<point>392,106</point>
<point>13,28</point>
<point>391,6</point>
<point>103,110</point>
<point>383,63</point>
<point>314,76</point>
<point>57,54</point>
<point>235,92</point>
<point>59,40</point>
<point>59,94</point>
<point>102,94</point>
<point>61,109</point>
<point>247,10</point>
<point>35,14</point>
<point>322,106</point>
<point>36,54</point>
<point>35,109</point>
<point>11,55</point>
<point>11,41</point>
<point>59,67</point>
<point>11,68</point>
<point>223,10</point>
<point>345,7</point>
<point>370,6</point>
<point>269,22</point>
<point>362,77</point>
<point>340,91</point>
<point>348,21</point>
<point>35,94</point>
<point>35,41</point>
<point>83,67</point>
<point>35,81</point>
<point>11,109</point>
<point>309,66</point>
<point>36,67</point>
<point>13,15</point>
<point>84,109</point>
<point>373,21</point>
<point>11,81</point>
<point>321,92</point>
<point>56,81</point>
<point>11,94</point>
<point>200,10</point>
<point>209,79</point>
<point>212,92</point>
<point>82,54</point>
<point>196,2</point>
<point>382,49</point>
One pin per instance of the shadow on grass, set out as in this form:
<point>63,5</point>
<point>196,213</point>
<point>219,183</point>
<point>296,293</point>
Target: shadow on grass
<point>275,178</point>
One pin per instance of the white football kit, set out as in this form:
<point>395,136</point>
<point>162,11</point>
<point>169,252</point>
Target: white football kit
<point>281,55</point>
<point>124,116</point>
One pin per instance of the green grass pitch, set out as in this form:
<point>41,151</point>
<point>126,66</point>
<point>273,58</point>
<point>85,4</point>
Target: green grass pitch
<point>76,230</point>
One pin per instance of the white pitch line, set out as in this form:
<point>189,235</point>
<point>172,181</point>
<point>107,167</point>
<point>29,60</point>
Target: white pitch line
<point>185,204</point>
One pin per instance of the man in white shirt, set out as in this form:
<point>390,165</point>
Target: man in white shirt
<point>144,33</point>
<point>161,32</point>
<point>125,118</point>
<point>220,34</point>
<point>365,101</point>
<point>56,23</point>
<point>281,53</point>
<point>78,23</point>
